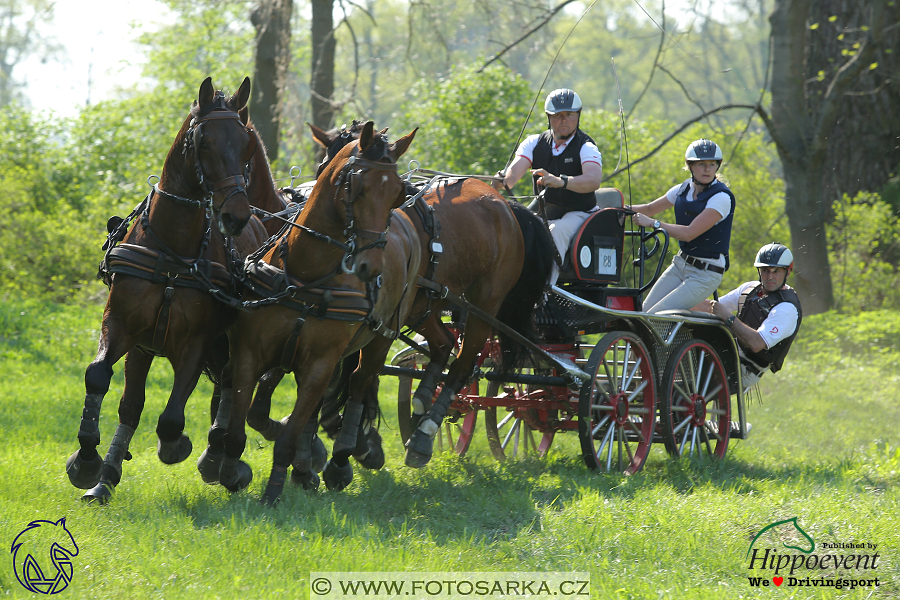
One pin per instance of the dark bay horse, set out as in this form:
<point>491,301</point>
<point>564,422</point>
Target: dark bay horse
<point>345,278</point>
<point>174,259</point>
<point>484,242</point>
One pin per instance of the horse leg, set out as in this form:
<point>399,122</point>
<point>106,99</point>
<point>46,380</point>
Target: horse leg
<point>173,445</point>
<point>238,378</point>
<point>312,379</point>
<point>338,472</point>
<point>84,466</point>
<point>309,457</point>
<point>259,416</point>
<point>369,452</point>
<point>440,345</point>
<point>420,445</point>
<point>137,365</point>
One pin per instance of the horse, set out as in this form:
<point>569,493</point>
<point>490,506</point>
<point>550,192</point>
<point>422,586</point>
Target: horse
<point>477,243</point>
<point>307,327</point>
<point>170,282</point>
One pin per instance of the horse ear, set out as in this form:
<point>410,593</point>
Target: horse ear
<point>205,96</point>
<point>366,137</point>
<point>243,94</point>
<point>383,131</point>
<point>320,136</point>
<point>397,149</point>
<point>244,114</point>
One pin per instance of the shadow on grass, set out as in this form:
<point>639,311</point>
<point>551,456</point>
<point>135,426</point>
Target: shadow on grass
<point>471,500</point>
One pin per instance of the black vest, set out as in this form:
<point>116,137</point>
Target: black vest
<point>753,310</point>
<point>717,239</point>
<point>561,201</point>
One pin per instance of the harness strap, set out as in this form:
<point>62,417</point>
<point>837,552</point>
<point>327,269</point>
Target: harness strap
<point>161,331</point>
<point>158,267</point>
<point>290,346</point>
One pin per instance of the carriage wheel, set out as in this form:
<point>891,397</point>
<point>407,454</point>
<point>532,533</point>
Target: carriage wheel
<point>453,435</point>
<point>510,434</point>
<point>695,408</point>
<point>616,407</point>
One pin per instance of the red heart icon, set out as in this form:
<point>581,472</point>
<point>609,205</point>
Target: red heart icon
<point>778,580</point>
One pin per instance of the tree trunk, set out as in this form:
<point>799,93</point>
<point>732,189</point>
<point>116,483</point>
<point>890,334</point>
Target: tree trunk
<point>323,46</point>
<point>801,125</point>
<point>272,20</point>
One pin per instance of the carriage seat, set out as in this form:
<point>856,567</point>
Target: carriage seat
<point>595,251</point>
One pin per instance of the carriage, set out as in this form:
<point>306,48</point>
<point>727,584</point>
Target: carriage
<point>621,378</point>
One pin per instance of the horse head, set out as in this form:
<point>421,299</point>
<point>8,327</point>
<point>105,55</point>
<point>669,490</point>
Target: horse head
<point>219,145</point>
<point>334,139</point>
<point>362,179</point>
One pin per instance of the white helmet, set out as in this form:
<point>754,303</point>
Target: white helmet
<point>562,100</point>
<point>703,149</point>
<point>774,255</point>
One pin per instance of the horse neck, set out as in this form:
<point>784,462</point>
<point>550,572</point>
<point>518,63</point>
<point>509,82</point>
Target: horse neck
<point>179,226</point>
<point>310,258</point>
<point>262,191</point>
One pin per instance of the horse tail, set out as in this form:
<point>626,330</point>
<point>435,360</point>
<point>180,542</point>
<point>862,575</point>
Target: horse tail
<point>517,310</point>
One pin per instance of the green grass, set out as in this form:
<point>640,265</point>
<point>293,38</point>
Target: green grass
<point>823,448</point>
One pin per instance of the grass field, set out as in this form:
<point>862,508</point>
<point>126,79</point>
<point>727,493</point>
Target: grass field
<point>824,448</point>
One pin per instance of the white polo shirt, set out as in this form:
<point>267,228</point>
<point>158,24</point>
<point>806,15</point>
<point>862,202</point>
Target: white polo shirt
<point>779,325</point>
<point>589,150</point>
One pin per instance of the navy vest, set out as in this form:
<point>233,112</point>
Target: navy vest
<point>716,239</point>
<point>567,163</point>
<point>753,310</point>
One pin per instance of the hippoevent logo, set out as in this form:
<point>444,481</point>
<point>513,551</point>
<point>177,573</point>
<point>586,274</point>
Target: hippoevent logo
<point>42,556</point>
<point>795,562</point>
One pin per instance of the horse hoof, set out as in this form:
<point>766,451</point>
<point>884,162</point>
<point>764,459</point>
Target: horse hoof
<point>418,449</point>
<point>308,480</point>
<point>172,453</point>
<point>235,474</point>
<point>100,493</point>
<point>83,474</point>
<point>374,458</point>
<point>271,495</point>
<point>209,465</point>
<point>337,477</point>
<point>319,455</point>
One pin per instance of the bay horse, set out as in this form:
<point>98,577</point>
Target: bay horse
<point>168,279</point>
<point>369,293</point>
<point>476,243</point>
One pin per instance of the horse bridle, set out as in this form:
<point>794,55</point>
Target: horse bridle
<point>215,110</point>
<point>350,178</point>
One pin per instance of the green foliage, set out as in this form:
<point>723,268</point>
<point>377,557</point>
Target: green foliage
<point>862,236</point>
<point>828,337</point>
<point>208,38</point>
<point>466,119</point>
<point>42,225</point>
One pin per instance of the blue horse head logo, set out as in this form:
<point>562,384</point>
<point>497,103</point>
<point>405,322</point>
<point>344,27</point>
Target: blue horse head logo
<point>42,556</point>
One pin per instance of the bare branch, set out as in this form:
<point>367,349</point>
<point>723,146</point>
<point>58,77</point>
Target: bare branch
<point>662,40</point>
<point>543,22</point>
<point>754,107</point>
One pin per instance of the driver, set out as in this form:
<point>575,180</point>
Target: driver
<point>768,314</point>
<point>566,162</point>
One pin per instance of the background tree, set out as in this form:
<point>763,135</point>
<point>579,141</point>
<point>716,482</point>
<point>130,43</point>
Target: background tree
<point>322,72</point>
<point>272,20</point>
<point>20,37</point>
<point>806,105</point>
